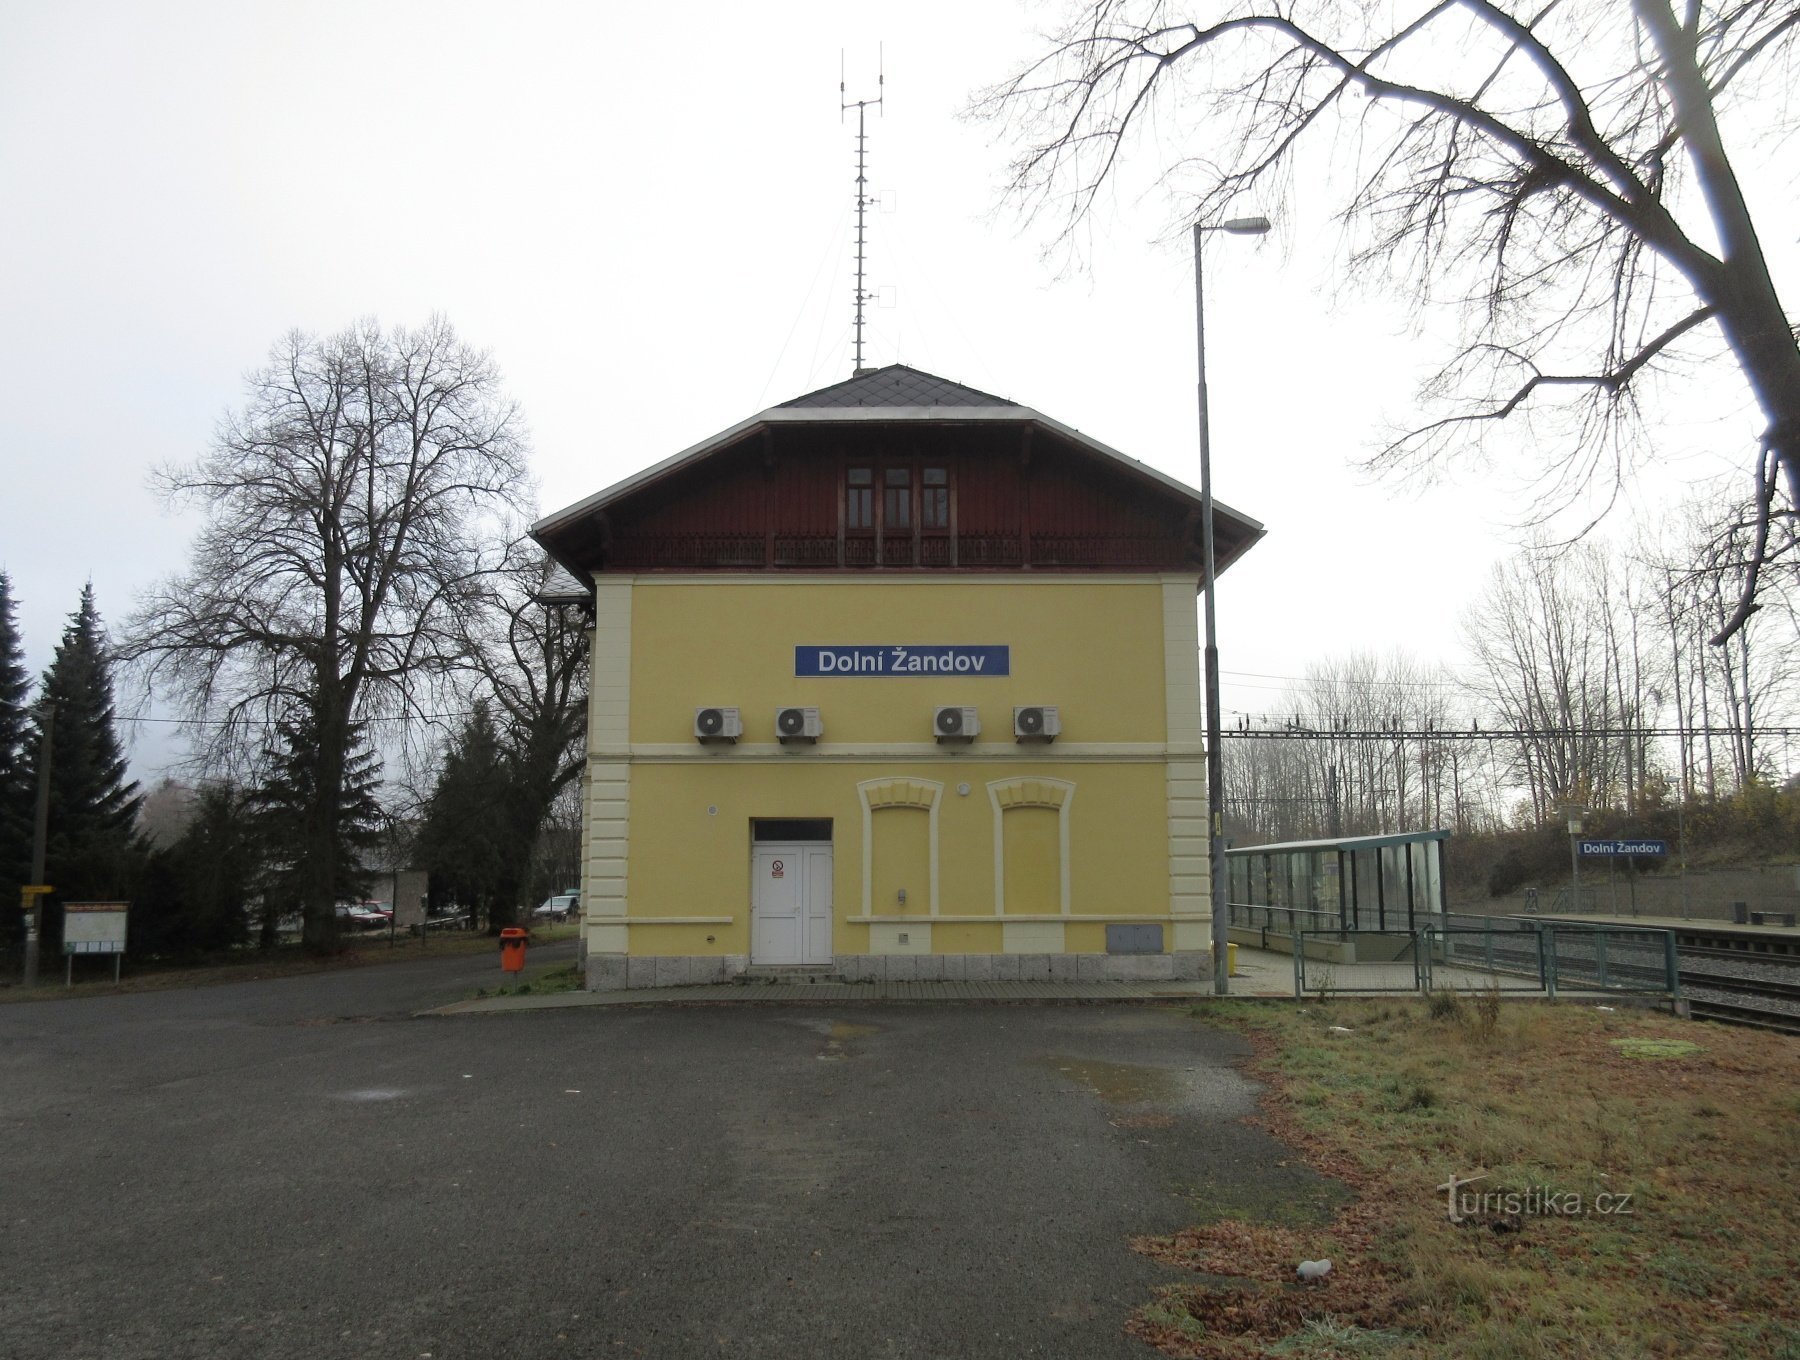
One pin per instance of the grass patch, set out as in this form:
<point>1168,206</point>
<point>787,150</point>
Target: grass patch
<point>563,978</point>
<point>1657,1048</point>
<point>371,949</point>
<point>1614,1207</point>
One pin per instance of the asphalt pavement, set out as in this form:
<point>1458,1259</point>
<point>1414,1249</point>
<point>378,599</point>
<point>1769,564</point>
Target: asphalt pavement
<point>300,1167</point>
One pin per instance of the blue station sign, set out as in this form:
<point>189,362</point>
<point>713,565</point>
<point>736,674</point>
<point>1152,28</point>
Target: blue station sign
<point>1624,847</point>
<point>904,660</point>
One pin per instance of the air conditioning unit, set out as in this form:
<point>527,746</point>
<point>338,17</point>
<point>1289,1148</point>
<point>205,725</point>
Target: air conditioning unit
<point>1038,722</point>
<point>956,724</point>
<point>798,724</point>
<point>718,724</point>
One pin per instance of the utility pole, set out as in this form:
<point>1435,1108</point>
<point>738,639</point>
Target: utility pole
<point>40,830</point>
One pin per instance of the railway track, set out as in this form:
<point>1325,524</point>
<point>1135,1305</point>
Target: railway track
<point>1768,1002</point>
<point>1712,982</point>
<point>1730,1013</point>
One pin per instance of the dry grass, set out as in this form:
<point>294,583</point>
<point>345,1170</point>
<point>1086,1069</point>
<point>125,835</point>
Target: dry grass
<point>1539,1101</point>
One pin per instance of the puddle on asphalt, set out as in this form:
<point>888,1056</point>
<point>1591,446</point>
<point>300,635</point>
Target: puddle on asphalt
<point>837,1034</point>
<point>1118,1083</point>
<point>373,1093</point>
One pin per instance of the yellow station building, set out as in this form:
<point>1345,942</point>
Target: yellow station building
<point>897,680</point>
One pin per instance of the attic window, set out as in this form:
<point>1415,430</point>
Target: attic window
<point>934,499</point>
<point>859,499</point>
<point>896,507</point>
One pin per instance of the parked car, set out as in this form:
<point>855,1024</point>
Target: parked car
<point>560,907</point>
<point>361,916</point>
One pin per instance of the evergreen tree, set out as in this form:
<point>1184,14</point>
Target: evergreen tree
<point>194,894</point>
<point>91,852</point>
<point>315,834</point>
<point>15,786</point>
<point>466,841</point>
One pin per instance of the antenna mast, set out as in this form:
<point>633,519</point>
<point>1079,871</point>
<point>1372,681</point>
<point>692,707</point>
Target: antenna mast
<point>860,294</point>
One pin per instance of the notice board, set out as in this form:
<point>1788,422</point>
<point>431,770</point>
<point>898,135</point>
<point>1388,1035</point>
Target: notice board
<point>94,927</point>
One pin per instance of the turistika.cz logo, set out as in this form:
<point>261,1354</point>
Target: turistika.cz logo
<point>1535,1201</point>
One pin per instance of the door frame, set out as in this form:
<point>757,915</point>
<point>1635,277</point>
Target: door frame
<point>799,853</point>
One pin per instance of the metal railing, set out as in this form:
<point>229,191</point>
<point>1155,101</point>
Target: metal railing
<point>1525,958</point>
<point>1278,920</point>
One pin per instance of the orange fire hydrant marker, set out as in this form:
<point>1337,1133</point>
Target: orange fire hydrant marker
<point>512,950</point>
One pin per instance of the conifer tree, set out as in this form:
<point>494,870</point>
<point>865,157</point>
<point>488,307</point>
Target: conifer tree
<point>89,854</point>
<point>15,786</point>
<point>194,894</point>
<point>315,834</point>
<point>467,839</point>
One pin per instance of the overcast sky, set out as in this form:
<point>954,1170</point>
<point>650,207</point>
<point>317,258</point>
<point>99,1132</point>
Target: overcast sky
<point>648,223</point>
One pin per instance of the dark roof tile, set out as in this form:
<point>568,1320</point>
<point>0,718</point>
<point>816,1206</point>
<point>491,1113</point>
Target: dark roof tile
<point>897,385</point>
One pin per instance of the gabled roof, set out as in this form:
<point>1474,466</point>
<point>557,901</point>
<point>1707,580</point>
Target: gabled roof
<point>887,395</point>
<point>895,385</point>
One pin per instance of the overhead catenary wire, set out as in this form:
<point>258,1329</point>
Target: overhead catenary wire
<point>1491,734</point>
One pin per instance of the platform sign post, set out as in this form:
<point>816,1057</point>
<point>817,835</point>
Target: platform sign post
<point>93,928</point>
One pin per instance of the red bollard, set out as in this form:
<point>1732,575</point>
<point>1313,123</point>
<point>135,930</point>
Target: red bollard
<point>512,950</point>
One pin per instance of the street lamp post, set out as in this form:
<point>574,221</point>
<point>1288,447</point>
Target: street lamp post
<point>1215,776</point>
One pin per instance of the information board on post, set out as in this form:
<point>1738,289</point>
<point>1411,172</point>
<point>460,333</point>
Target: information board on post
<point>94,927</point>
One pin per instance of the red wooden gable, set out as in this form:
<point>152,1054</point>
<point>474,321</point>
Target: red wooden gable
<point>980,486</point>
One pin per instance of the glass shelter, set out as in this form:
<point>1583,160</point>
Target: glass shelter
<point>1385,883</point>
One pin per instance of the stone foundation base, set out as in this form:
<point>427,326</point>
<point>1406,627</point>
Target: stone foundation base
<point>619,972</point>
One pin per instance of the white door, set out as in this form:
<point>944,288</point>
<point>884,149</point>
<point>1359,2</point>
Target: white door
<point>817,943</point>
<point>790,905</point>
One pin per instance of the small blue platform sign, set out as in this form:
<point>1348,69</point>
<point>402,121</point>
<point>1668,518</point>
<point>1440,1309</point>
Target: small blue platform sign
<point>902,660</point>
<point>1624,847</point>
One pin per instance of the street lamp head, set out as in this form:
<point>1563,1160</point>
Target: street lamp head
<point>1245,226</point>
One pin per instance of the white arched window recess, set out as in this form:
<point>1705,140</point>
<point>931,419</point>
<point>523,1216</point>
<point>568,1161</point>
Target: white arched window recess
<point>1035,792</point>
<point>877,794</point>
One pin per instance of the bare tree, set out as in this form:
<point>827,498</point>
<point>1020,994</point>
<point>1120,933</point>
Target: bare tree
<point>1541,641</point>
<point>1697,557</point>
<point>354,509</point>
<point>530,659</point>
<point>1354,750</point>
<point>1557,172</point>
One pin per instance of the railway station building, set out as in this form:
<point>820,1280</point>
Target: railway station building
<point>896,680</point>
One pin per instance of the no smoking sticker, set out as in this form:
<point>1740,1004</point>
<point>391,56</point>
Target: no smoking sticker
<point>777,870</point>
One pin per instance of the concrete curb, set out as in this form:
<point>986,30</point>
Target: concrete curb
<point>841,994</point>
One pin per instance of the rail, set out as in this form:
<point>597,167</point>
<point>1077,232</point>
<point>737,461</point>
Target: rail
<point>1278,920</point>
